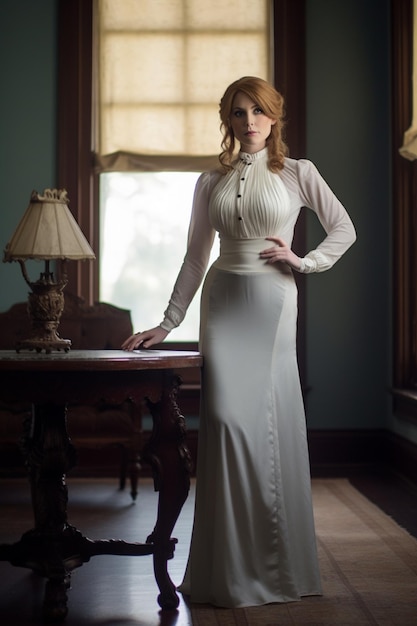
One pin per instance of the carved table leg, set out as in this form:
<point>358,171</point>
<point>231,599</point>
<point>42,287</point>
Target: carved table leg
<point>53,548</point>
<point>49,456</point>
<point>171,464</point>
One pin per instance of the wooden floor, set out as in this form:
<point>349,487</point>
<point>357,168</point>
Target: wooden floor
<point>109,590</point>
<point>393,494</point>
<point>121,591</point>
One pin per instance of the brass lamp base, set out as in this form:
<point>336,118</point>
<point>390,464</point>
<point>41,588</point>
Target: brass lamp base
<point>45,307</point>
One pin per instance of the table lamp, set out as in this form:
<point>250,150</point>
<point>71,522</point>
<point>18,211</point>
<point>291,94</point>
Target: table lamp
<point>47,231</point>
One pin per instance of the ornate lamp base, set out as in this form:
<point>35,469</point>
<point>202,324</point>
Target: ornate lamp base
<point>45,307</point>
<point>39,344</point>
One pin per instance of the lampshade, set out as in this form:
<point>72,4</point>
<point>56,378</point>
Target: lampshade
<point>48,230</point>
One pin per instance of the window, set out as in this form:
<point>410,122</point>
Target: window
<point>162,66</point>
<point>144,219</point>
<point>78,167</point>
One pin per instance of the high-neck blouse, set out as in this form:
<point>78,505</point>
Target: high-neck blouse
<point>251,202</point>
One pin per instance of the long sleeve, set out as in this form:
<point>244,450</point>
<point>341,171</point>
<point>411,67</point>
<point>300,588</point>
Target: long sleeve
<point>200,241</point>
<point>317,195</point>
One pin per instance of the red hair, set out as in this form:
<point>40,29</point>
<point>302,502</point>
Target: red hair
<point>272,104</point>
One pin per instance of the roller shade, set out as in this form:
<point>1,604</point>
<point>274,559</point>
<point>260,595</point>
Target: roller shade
<point>162,68</point>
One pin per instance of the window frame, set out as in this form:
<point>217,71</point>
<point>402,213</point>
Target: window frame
<point>76,172</point>
<point>404,178</point>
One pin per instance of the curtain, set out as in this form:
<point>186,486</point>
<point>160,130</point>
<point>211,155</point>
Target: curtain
<point>162,68</point>
<point>409,148</point>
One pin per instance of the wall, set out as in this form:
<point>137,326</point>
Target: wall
<point>27,122</point>
<point>348,138</point>
<point>348,319</point>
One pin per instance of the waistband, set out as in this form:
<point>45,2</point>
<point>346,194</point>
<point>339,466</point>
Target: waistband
<point>242,256</point>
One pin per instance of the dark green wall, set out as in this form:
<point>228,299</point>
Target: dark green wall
<point>27,121</point>
<point>348,121</point>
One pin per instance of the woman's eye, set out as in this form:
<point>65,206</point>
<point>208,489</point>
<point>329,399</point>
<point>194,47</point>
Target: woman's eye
<point>237,113</point>
<point>258,110</point>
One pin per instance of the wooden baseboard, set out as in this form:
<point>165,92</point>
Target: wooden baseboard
<point>332,452</point>
<point>399,455</point>
<point>92,462</point>
<point>337,451</point>
<point>341,451</point>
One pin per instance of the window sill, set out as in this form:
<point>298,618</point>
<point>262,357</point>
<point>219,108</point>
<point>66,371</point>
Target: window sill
<point>405,403</point>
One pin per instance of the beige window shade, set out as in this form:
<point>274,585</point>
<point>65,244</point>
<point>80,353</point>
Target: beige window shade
<point>409,148</point>
<point>162,68</point>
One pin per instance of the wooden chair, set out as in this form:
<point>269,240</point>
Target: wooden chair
<point>98,327</point>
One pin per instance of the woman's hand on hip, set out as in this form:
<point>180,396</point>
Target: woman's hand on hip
<point>280,252</point>
<point>145,339</point>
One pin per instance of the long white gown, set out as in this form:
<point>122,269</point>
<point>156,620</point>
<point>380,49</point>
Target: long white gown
<point>253,539</point>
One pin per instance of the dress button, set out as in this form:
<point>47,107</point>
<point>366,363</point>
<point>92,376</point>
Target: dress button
<point>239,195</point>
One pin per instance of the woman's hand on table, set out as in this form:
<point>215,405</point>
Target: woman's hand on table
<point>145,339</point>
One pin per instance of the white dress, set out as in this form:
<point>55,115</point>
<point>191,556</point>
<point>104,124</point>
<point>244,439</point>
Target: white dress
<point>253,539</point>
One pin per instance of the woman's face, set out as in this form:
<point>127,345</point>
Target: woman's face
<point>249,123</point>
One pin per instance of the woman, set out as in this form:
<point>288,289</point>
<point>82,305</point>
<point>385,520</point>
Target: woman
<point>253,539</point>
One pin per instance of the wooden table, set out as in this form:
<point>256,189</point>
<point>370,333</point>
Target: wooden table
<point>53,548</point>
